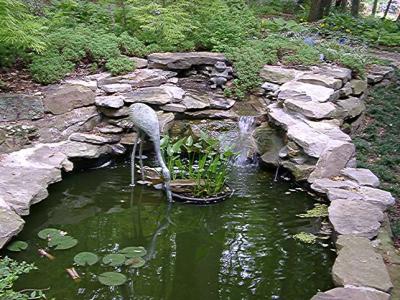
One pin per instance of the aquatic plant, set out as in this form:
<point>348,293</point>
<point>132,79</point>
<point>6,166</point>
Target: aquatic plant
<point>305,237</point>
<point>112,278</point>
<point>319,210</point>
<point>17,246</point>
<point>199,160</point>
<point>86,259</point>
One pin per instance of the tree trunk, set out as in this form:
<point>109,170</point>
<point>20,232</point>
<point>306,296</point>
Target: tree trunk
<point>316,10</point>
<point>327,7</point>
<point>387,9</point>
<point>374,7</point>
<point>355,7</point>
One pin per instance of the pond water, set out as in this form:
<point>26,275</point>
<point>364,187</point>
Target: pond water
<point>239,249</point>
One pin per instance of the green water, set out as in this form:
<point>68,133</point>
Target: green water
<point>238,249</point>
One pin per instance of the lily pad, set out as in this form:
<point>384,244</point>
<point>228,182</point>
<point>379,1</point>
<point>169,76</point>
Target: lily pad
<point>49,233</point>
<point>135,262</point>
<point>62,242</point>
<point>17,246</point>
<point>86,259</point>
<point>112,278</point>
<point>131,252</point>
<point>114,260</point>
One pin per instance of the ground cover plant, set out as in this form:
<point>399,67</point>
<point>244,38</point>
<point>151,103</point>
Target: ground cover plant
<point>200,160</point>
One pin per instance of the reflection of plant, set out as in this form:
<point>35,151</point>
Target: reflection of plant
<point>199,160</point>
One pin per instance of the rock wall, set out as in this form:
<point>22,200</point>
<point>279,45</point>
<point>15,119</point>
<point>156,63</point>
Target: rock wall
<point>314,108</point>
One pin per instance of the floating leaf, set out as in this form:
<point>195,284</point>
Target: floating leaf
<point>135,262</point>
<point>17,246</point>
<point>112,278</point>
<point>62,242</point>
<point>131,252</point>
<point>114,259</point>
<point>49,233</point>
<point>86,259</point>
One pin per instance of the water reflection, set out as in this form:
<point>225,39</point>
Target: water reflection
<point>239,249</point>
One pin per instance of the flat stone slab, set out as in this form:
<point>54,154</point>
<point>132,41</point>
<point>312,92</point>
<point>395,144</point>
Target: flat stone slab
<point>91,84</point>
<point>311,109</point>
<point>14,107</point>
<point>79,150</point>
<point>316,93</point>
<point>115,113</point>
<point>139,78</point>
<point>320,79</point>
<point>10,225</point>
<point>156,95</point>
<point>358,264</point>
<point>116,88</point>
<point>352,293</point>
<point>114,102</point>
<point>279,74</point>
<point>94,139</point>
<point>377,197</point>
<point>361,176</point>
<point>174,107</point>
<point>357,218</point>
<point>193,102</point>
<point>323,185</point>
<point>183,60</point>
<point>62,99</point>
<point>343,74</point>
<point>358,86</point>
<point>349,108</point>
<point>213,114</point>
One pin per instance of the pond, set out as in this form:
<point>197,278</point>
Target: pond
<point>238,249</point>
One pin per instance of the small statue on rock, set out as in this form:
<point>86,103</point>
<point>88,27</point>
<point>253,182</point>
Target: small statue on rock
<point>220,74</point>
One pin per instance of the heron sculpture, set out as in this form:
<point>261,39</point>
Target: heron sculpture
<point>146,122</point>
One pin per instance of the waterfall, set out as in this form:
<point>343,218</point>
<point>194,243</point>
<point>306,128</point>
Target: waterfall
<point>245,144</point>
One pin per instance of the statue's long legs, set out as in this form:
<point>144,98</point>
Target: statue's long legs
<point>133,159</point>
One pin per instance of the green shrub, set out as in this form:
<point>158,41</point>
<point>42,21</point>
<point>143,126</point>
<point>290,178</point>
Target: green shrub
<point>120,65</point>
<point>50,68</point>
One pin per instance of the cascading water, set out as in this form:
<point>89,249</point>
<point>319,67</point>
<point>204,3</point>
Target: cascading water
<point>245,144</point>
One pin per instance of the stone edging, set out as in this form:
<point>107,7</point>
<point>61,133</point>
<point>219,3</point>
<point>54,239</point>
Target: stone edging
<point>311,107</point>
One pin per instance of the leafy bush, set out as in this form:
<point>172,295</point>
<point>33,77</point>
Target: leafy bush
<point>120,65</point>
<point>50,67</point>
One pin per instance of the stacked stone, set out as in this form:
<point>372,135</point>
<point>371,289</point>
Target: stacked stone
<point>311,107</point>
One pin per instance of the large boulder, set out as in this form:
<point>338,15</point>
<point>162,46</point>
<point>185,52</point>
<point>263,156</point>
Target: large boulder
<point>10,225</point>
<point>184,60</point>
<point>355,217</point>
<point>65,98</point>
<point>352,293</point>
<point>15,107</point>
<point>359,265</point>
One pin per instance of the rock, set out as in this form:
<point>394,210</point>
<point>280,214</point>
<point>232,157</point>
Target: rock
<point>268,142</point>
<point>213,114</point>
<point>194,102</point>
<point>386,72</point>
<point>374,78</point>
<point>115,113</point>
<point>361,176</point>
<point>165,120</point>
<point>221,102</point>
<point>216,129</point>
<point>174,107</point>
<point>279,74</point>
<point>323,80</point>
<point>141,78</point>
<point>316,93</point>
<point>94,139</point>
<point>311,109</point>
<point>183,60</point>
<point>332,160</point>
<point>124,123</point>
<point>15,107</point>
<point>156,95</point>
<point>312,141</point>
<point>324,185</point>
<point>352,293</point>
<point>330,129</point>
<point>300,171</point>
<point>116,88</point>
<point>140,63</point>
<point>380,198</point>
<point>110,101</point>
<point>270,87</point>
<point>110,129</point>
<point>349,108</point>
<point>345,91</point>
<point>358,87</point>
<point>358,265</point>
<point>128,138</point>
<point>10,225</point>
<point>91,84</point>
<point>355,217</point>
<point>337,193</point>
<point>65,98</point>
<point>14,137</point>
<point>78,150</point>
<point>343,74</point>
<point>60,127</point>
<point>281,117</point>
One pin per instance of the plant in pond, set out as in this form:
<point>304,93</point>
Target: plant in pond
<point>86,259</point>
<point>200,161</point>
<point>135,262</point>
<point>17,246</point>
<point>10,270</point>
<point>114,260</point>
<point>319,210</point>
<point>132,252</point>
<point>57,238</point>
<point>112,278</point>
<point>305,237</point>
